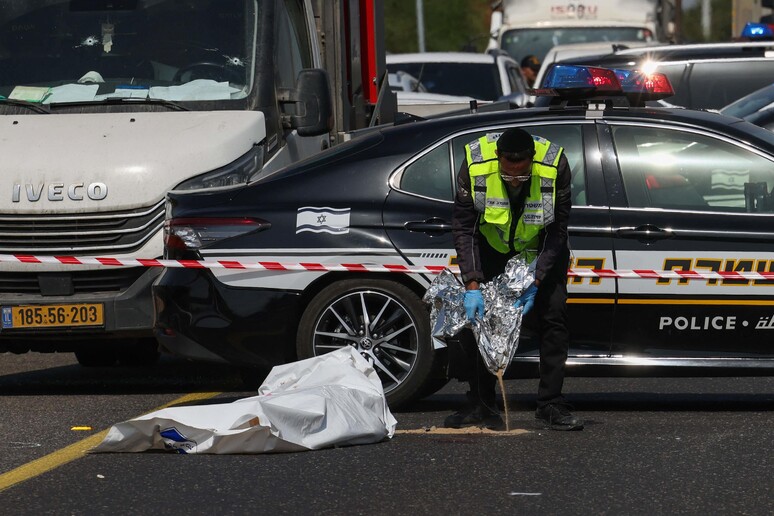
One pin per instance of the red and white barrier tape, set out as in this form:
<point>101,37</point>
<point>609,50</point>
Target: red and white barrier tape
<point>359,267</point>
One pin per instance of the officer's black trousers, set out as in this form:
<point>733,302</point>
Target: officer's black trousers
<point>548,319</point>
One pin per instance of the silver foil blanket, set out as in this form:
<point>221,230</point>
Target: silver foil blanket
<point>498,332</point>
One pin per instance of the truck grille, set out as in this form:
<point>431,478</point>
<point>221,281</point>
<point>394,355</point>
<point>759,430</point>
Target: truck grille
<point>111,279</point>
<point>91,233</point>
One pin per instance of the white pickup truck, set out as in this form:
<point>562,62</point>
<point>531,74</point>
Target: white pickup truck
<point>105,106</point>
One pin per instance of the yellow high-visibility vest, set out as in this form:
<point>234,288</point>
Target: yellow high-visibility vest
<point>490,196</point>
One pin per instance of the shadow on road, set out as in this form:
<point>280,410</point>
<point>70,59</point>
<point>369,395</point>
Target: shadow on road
<point>169,375</point>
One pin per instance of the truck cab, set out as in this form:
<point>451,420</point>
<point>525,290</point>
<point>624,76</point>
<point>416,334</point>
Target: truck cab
<point>105,106</point>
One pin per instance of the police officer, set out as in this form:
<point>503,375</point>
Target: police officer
<point>513,197</point>
<point>530,66</point>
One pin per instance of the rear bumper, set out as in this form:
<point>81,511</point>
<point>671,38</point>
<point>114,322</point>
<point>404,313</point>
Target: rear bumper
<point>200,318</point>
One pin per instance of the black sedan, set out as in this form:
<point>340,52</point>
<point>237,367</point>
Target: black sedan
<point>655,189</point>
<point>757,107</point>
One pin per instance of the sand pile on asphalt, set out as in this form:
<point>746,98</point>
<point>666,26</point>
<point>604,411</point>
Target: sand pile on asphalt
<point>434,430</point>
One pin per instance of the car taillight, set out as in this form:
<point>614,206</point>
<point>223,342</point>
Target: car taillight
<point>191,234</point>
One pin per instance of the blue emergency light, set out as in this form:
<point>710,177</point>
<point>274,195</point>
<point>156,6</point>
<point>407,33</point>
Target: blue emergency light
<point>577,82</point>
<point>582,80</point>
<point>757,31</point>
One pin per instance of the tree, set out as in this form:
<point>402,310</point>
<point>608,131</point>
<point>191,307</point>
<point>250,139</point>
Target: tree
<point>450,25</point>
<point>720,23</point>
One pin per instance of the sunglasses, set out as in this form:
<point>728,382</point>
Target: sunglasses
<point>519,179</point>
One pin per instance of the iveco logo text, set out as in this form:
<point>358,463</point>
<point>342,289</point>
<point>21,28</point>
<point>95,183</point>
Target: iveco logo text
<point>58,191</point>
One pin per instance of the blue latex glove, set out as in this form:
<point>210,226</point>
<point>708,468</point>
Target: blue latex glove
<point>526,299</point>
<point>474,304</point>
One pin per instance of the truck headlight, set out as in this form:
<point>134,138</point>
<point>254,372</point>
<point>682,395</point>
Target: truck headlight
<point>238,172</point>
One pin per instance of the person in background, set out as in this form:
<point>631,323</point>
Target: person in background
<point>513,198</point>
<point>530,66</point>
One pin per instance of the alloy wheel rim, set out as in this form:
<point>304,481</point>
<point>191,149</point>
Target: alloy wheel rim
<point>378,325</point>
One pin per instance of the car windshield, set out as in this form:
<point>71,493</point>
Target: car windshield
<point>55,51</point>
<point>520,43</point>
<point>477,80</point>
<point>756,101</point>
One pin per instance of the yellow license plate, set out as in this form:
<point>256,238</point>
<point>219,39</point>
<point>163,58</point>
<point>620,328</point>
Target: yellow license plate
<point>53,316</point>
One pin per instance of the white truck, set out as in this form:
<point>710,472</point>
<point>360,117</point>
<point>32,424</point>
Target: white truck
<point>106,105</point>
<point>533,27</point>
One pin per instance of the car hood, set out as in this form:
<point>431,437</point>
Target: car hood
<point>86,163</point>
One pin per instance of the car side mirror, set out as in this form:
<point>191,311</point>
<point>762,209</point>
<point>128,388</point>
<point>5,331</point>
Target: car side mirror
<point>312,113</point>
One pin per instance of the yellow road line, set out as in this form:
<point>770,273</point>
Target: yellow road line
<point>77,450</point>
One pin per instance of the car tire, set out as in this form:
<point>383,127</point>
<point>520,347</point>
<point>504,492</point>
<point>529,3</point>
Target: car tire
<point>96,356</point>
<point>335,318</point>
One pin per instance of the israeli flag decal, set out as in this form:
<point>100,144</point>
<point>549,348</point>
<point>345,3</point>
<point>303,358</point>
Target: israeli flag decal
<point>323,220</point>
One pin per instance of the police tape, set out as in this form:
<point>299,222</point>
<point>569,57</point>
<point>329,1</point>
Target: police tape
<point>372,267</point>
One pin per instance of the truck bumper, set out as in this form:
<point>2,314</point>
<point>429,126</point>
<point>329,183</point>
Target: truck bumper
<point>128,315</point>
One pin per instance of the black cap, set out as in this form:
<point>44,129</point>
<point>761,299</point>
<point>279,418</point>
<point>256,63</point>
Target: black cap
<point>517,143</point>
<point>531,61</point>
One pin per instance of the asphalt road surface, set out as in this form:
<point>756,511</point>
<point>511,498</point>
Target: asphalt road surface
<point>650,446</point>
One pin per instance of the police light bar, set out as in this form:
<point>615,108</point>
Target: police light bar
<point>641,87</point>
<point>579,81</point>
<point>758,31</point>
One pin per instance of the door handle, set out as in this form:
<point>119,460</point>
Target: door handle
<point>646,232</point>
<point>432,225</point>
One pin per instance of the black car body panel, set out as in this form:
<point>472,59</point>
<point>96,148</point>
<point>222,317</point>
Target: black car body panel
<point>653,188</point>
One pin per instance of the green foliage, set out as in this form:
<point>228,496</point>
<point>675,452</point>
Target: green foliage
<point>720,23</point>
<point>450,25</point>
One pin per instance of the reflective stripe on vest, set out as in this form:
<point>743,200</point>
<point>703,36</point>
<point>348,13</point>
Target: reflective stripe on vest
<point>490,196</point>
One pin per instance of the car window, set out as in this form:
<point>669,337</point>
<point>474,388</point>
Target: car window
<point>293,48</point>
<point>430,175</point>
<point>570,137</point>
<point>671,169</point>
<point>478,80</point>
<point>515,80</point>
<point>757,101</point>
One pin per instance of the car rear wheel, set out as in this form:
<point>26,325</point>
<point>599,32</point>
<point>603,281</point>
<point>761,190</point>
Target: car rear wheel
<point>384,320</point>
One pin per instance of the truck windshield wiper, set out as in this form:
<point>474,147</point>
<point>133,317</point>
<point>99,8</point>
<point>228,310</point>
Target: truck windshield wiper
<point>30,105</point>
<point>126,100</point>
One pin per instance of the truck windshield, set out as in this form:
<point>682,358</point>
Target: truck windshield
<point>520,43</point>
<point>54,51</point>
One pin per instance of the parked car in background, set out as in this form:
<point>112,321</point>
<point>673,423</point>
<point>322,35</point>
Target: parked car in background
<point>704,76</point>
<point>653,189</point>
<point>756,108</point>
<point>488,77</point>
<point>403,81</point>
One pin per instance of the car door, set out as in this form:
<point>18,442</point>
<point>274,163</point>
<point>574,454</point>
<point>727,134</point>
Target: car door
<point>696,201</point>
<point>418,210</point>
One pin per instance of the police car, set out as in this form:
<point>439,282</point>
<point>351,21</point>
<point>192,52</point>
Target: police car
<point>655,190</point>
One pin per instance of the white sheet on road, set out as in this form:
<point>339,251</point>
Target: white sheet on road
<point>335,399</point>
